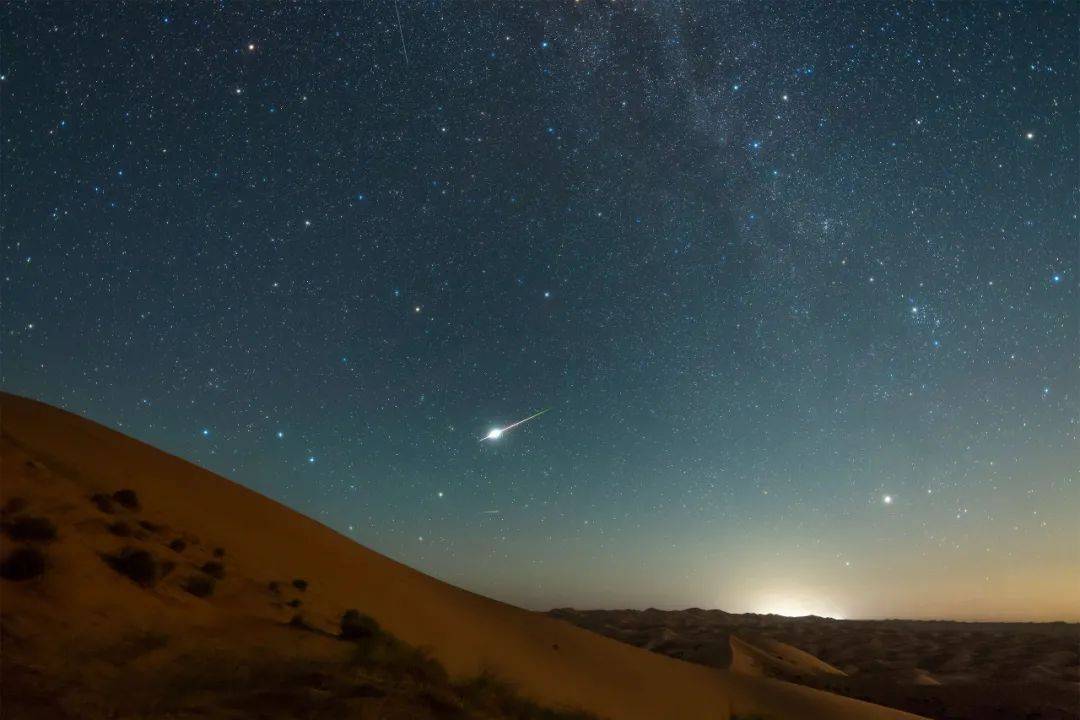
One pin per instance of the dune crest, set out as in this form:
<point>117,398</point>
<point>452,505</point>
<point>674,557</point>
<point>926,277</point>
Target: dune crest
<point>164,583</point>
<point>771,658</point>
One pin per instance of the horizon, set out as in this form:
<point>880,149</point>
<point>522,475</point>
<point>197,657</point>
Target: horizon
<point>749,306</point>
<point>1018,619</point>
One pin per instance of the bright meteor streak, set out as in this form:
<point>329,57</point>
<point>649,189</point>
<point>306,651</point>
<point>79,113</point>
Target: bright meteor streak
<point>497,433</point>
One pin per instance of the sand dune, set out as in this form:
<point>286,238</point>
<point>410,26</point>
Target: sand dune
<point>245,595</point>
<point>771,658</point>
<point>955,670</point>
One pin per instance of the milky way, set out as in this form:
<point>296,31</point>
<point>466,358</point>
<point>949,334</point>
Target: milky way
<point>798,282</point>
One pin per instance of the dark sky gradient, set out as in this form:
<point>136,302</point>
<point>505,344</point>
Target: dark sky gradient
<point>797,282</point>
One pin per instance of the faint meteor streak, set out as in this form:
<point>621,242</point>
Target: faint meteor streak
<point>496,433</point>
<point>402,34</point>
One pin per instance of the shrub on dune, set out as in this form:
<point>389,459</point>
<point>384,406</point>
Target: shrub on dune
<point>214,569</point>
<point>103,502</point>
<point>25,563</point>
<point>495,697</point>
<point>127,498</point>
<point>357,626</point>
<point>31,529</point>
<point>200,586</point>
<point>138,566</point>
<point>120,529</point>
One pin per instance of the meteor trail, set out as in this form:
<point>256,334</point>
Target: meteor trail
<point>497,433</point>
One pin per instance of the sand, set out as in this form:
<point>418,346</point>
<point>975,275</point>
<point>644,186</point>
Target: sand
<point>940,669</point>
<point>82,640</point>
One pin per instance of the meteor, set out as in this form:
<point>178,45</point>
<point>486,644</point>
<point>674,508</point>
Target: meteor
<point>496,433</point>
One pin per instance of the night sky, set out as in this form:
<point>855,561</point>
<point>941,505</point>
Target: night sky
<point>797,283</point>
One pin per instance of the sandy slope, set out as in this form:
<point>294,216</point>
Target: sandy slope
<point>770,658</point>
<point>81,620</point>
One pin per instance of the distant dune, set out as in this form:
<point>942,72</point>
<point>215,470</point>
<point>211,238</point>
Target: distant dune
<point>137,585</point>
<point>954,670</point>
<point>771,658</point>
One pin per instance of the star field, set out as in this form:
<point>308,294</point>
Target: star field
<point>798,284</point>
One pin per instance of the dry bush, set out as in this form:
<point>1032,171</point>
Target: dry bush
<point>136,565</point>
<point>127,498</point>
<point>298,621</point>
<point>357,626</point>
<point>214,569</point>
<point>489,695</point>
<point>200,585</point>
<point>25,563</point>
<point>382,651</point>
<point>31,529</point>
<point>120,529</point>
<point>103,502</point>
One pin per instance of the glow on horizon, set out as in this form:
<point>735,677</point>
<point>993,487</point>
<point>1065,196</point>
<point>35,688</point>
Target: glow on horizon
<point>795,605</point>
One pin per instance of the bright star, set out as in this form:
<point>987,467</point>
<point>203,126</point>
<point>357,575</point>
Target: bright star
<point>887,499</point>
